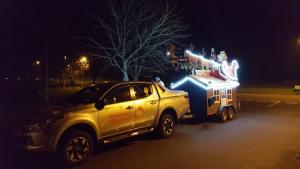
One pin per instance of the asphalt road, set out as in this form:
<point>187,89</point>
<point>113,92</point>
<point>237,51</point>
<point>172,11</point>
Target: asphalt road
<point>267,97</point>
<point>264,135</point>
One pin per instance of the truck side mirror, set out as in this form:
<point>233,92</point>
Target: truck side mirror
<point>99,105</point>
<point>211,101</point>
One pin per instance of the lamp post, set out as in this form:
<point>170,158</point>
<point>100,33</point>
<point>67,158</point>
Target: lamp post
<point>83,63</point>
<point>37,65</point>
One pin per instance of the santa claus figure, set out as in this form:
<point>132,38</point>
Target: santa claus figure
<point>222,57</point>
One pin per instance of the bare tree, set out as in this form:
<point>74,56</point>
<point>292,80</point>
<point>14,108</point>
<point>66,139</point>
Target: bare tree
<point>134,34</point>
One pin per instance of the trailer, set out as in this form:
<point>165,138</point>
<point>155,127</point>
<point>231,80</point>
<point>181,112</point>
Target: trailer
<point>212,87</point>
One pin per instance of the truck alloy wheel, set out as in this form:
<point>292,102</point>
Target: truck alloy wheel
<point>76,148</point>
<point>230,113</point>
<point>166,126</point>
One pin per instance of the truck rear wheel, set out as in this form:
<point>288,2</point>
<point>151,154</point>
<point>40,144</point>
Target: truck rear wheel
<point>75,148</point>
<point>166,126</point>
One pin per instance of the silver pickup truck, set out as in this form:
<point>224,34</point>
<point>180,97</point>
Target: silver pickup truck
<point>104,113</point>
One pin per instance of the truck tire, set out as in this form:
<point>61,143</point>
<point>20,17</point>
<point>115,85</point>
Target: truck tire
<point>230,113</point>
<point>166,126</point>
<point>75,148</point>
<point>224,114</point>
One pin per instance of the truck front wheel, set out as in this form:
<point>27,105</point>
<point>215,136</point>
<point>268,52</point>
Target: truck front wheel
<point>76,147</point>
<point>166,126</point>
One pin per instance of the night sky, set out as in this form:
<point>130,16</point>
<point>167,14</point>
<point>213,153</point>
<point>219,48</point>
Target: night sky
<point>261,35</point>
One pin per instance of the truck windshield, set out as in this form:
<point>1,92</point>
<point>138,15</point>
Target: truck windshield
<point>89,94</point>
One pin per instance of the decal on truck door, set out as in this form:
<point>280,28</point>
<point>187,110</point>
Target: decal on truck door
<point>119,117</point>
<point>140,111</point>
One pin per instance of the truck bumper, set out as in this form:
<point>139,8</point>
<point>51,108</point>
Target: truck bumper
<point>35,141</point>
<point>37,148</point>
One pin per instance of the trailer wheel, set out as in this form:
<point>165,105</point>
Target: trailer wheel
<point>224,114</point>
<point>230,113</point>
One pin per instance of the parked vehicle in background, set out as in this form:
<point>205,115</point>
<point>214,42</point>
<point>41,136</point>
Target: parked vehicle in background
<point>104,113</point>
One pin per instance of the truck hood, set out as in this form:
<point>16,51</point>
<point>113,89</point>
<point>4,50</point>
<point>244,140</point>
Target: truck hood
<point>47,115</point>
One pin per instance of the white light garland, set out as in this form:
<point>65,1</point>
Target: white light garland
<point>187,78</point>
<point>214,83</point>
<point>223,68</point>
<point>203,58</point>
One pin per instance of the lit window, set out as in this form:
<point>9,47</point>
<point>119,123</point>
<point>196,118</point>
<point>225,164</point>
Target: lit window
<point>217,96</point>
<point>229,94</point>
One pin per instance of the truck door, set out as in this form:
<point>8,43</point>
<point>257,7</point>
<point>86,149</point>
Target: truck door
<point>118,112</point>
<point>146,101</point>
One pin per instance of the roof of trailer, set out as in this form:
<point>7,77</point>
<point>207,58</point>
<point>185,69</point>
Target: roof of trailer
<point>206,82</point>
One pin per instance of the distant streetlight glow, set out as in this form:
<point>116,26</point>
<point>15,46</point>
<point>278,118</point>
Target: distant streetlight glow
<point>84,63</point>
<point>298,41</point>
<point>37,62</point>
<point>83,59</point>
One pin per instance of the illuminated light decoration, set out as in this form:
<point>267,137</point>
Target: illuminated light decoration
<point>206,83</point>
<point>227,72</point>
<point>202,58</point>
<point>180,82</point>
<point>228,84</point>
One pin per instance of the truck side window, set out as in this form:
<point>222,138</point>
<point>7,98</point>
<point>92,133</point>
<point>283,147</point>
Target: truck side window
<point>142,90</point>
<point>117,95</point>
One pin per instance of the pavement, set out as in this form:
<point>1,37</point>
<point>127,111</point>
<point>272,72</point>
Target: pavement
<point>264,135</point>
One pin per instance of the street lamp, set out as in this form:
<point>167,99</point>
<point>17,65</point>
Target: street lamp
<point>84,62</point>
<point>83,59</point>
<point>37,68</point>
<point>298,41</point>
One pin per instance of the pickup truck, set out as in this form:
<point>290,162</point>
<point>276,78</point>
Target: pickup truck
<point>103,113</point>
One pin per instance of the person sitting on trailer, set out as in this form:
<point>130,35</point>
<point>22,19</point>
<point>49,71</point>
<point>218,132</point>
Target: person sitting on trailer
<point>222,57</point>
<point>213,54</point>
<point>157,79</point>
